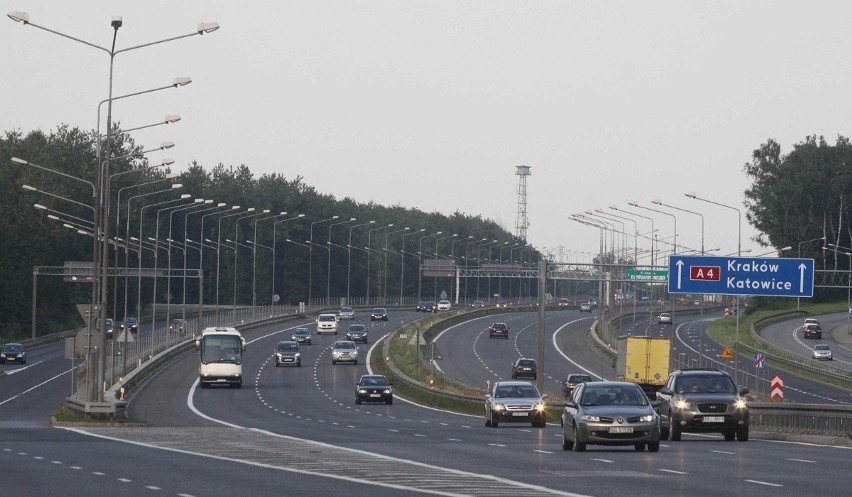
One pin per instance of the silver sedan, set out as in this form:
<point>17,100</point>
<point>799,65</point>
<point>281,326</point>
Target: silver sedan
<point>609,413</point>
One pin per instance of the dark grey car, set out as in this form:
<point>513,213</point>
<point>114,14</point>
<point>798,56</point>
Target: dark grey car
<point>287,353</point>
<point>703,400</point>
<point>515,402</point>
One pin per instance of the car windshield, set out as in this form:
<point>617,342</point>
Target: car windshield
<point>379,310</point>
<point>326,318</point>
<point>346,309</point>
<point>705,384</point>
<point>822,347</point>
<point>288,347</point>
<point>626,396</point>
<point>526,363</point>
<point>130,320</point>
<point>499,326</point>
<point>301,331</point>
<point>576,378</point>
<point>515,392</point>
<point>357,327</point>
<point>374,381</point>
<point>344,345</point>
<point>15,349</point>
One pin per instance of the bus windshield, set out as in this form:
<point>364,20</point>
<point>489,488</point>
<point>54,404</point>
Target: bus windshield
<point>221,348</point>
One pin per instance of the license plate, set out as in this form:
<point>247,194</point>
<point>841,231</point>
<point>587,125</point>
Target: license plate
<point>620,429</point>
<point>375,395</point>
<point>520,414</point>
<point>714,419</point>
<point>526,369</point>
<point>221,380</point>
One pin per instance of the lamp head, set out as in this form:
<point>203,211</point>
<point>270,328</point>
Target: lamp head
<point>208,201</point>
<point>40,207</point>
<point>690,195</point>
<point>116,22</point>
<point>199,201</point>
<point>19,161</point>
<point>175,186</point>
<point>613,207</point>
<point>335,217</point>
<point>30,188</point>
<point>207,27</point>
<point>266,211</point>
<point>235,208</point>
<point>250,209</point>
<point>171,118</point>
<point>19,16</point>
<point>181,81</point>
<point>166,144</point>
<point>633,203</point>
<point>185,195</point>
<point>166,162</point>
<point>301,215</point>
<point>221,204</point>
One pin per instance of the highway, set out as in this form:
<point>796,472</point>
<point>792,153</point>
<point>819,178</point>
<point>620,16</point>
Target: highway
<point>297,431</point>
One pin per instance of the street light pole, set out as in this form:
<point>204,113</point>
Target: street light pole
<point>799,256</point>
<point>274,248</point>
<point>402,261</point>
<point>420,264</point>
<point>311,257</point>
<point>349,260</point>
<point>237,246</point>
<point>369,256</point>
<point>328,270</point>
<point>387,235</point>
<point>219,251</point>
<point>254,256</point>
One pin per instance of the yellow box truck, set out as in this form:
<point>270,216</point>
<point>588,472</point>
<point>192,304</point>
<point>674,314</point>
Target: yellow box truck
<point>643,360</point>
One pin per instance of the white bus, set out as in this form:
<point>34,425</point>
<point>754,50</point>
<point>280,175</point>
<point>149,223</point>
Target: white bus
<point>221,357</point>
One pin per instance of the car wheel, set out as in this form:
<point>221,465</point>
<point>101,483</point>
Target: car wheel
<point>487,420</point>
<point>664,434</point>
<point>653,446</point>
<point>333,362</point>
<point>494,422</point>
<point>566,444</point>
<point>639,447</point>
<point>276,364</point>
<point>202,384</point>
<point>390,401</point>
<point>742,433</point>
<point>299,364</point>
<point>238,385</point>
<point>357,400</point>
<point>514,376</point>
<point>730,435</point>
<point>578,445</point>
<point>355,362</point>
<point>674,431</point>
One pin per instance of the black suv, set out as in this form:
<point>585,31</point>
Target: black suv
<point>703,400</point>
<point>524,368</point>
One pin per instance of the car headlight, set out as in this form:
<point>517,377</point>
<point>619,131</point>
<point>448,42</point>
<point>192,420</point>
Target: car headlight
<point>646,418</point>
<point>499,407</point>
<point>740,404</point>
<point>681,404</point>
<point>590,418</point>
<point>361,390</point>
<point>298,355</point>
<point>387,390</point>
<point>279,355</point>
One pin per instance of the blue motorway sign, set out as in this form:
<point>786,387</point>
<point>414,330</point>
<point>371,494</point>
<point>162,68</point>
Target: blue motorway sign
<point>777,277</point>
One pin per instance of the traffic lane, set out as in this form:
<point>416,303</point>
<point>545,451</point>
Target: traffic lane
<point>457,347</point>
<point>31,393</point>
<point>788,336</point>
<point>497,448</point>
<point>55,462</point>
<point>796,388</point>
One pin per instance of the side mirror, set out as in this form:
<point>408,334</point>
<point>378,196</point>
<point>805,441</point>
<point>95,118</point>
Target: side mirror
<point>656,403</point>
<point>743,391</point>
<point>198,345</point>
<point>488,396</point>
<point>665,391</point>
<point>545,397</point>
<point>570,404</point>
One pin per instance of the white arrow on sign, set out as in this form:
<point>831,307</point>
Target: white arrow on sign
<point>679,265</point>
<point>802,278</point>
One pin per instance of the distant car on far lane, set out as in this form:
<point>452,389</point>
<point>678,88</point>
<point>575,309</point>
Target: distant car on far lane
<point>379,314</point>
<point>301,335</point>
<point>665,318</point>
<point>13,352</point>
<point>500,330</point>
<point>822,352</point>
<point>346,313</point>
<point>586,307</point>
<point>444,305</point>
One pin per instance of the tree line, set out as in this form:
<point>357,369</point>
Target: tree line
<point>56,233</point>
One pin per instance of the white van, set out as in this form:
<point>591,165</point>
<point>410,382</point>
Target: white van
<point>327,323</point>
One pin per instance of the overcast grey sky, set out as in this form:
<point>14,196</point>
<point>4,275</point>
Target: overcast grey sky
<point>432,104</point>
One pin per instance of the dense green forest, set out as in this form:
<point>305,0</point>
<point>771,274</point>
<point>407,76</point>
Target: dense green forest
<point>33,237</point>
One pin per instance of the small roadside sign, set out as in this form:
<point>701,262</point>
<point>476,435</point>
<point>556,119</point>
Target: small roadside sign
<point>759,360</point>
<point>727,353</point>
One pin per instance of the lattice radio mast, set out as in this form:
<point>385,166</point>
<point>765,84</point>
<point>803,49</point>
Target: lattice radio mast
<point>522,223</point>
